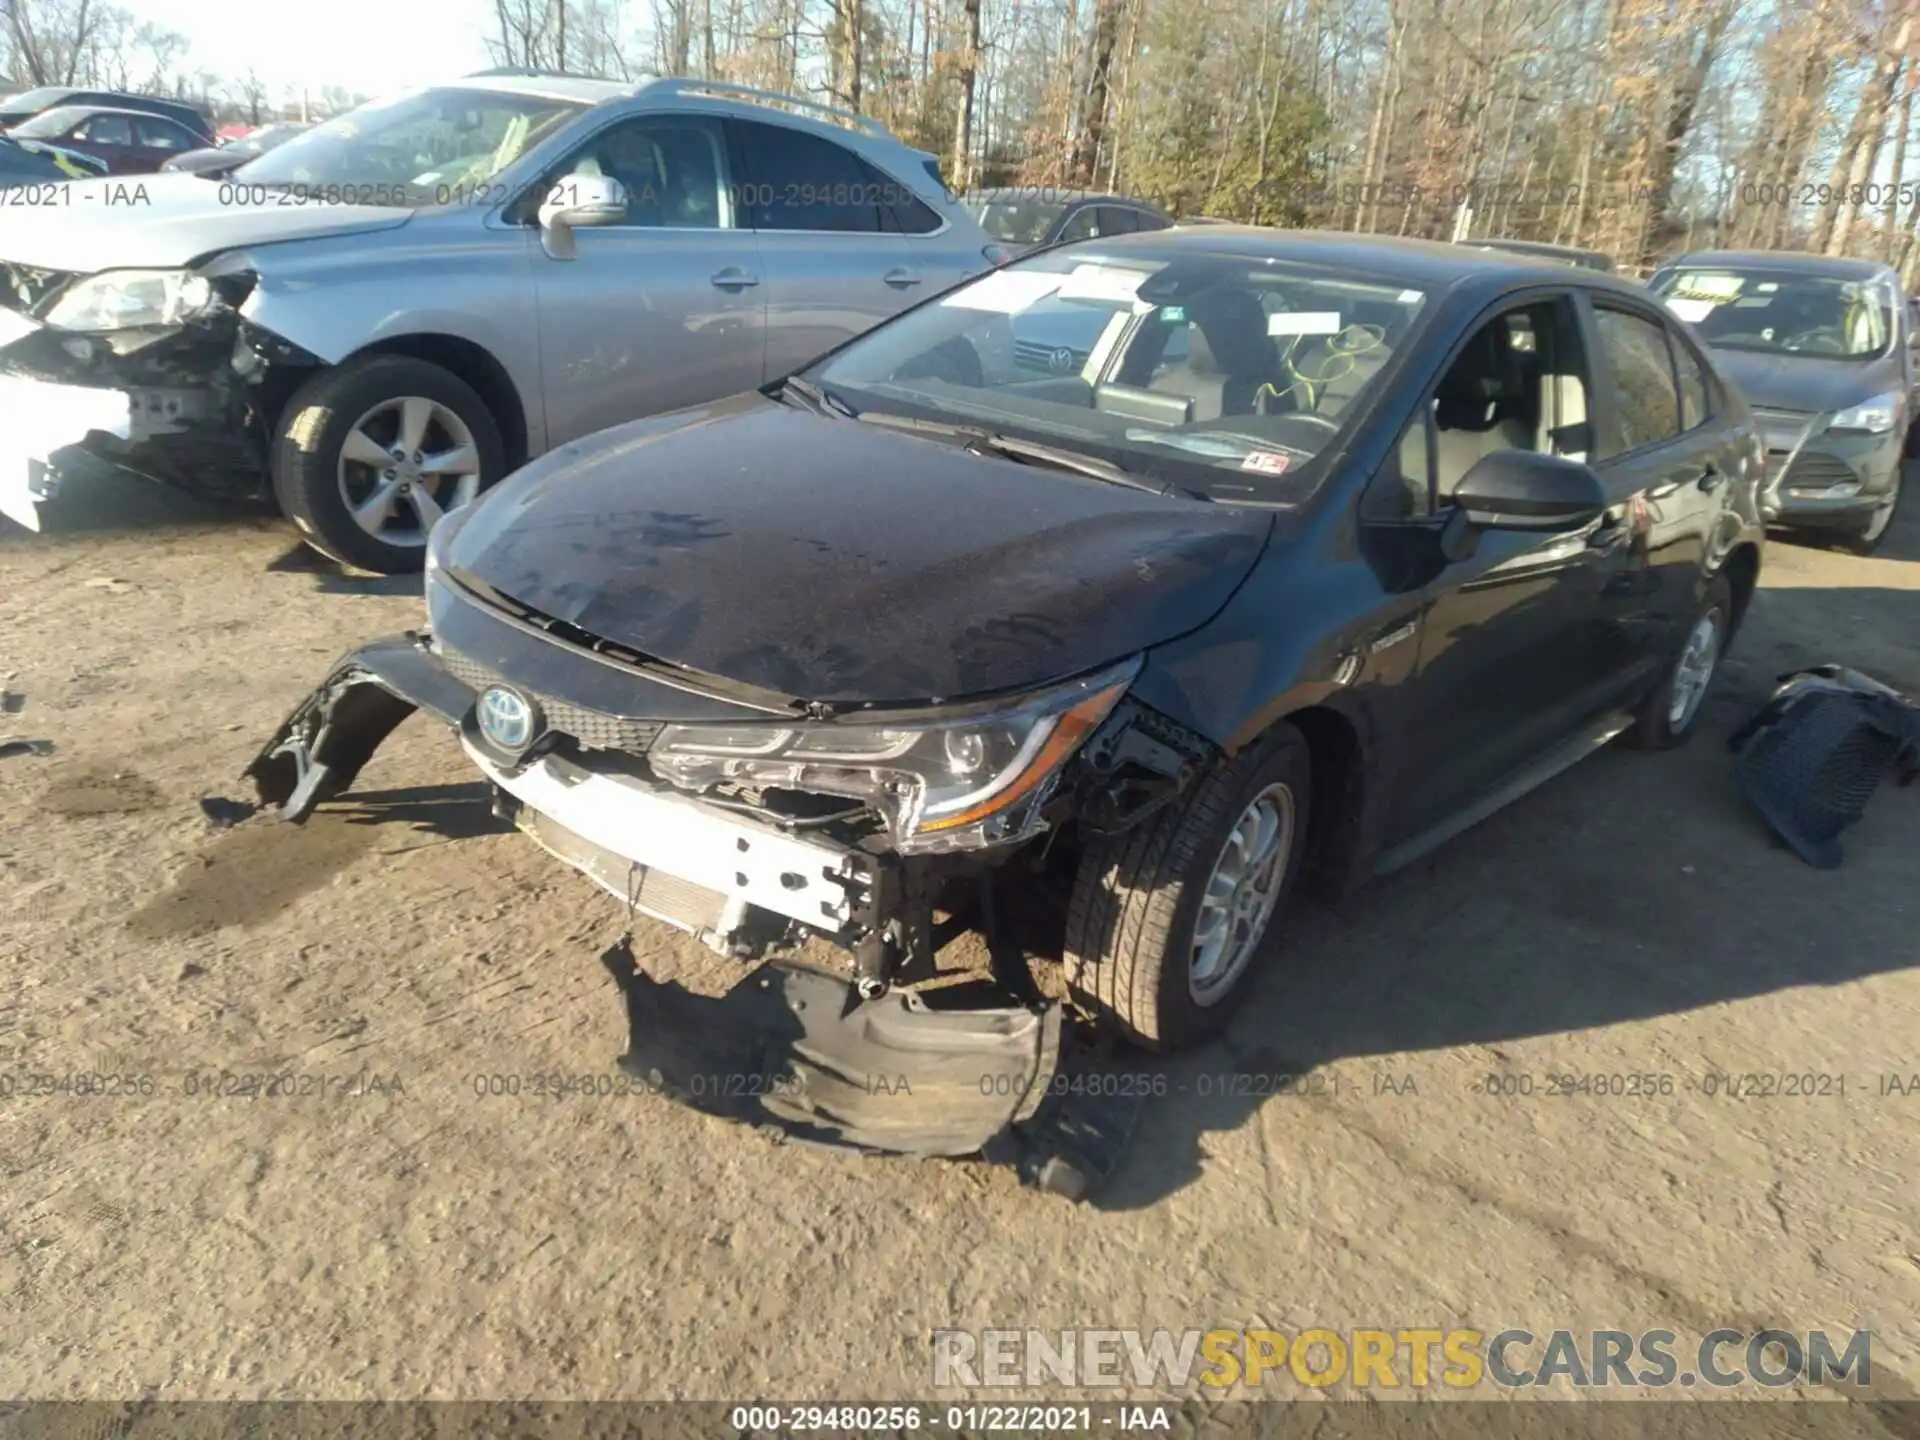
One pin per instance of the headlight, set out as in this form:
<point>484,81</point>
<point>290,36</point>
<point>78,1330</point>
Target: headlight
<point>948,785</point>
<point>131,300</point>
<point>1875,416</point>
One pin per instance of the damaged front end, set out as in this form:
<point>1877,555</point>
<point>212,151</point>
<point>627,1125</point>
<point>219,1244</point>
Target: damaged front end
<point>760,835</point>
<point>153,372</point>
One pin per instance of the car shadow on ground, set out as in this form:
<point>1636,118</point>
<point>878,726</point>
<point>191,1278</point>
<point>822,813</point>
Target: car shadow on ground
<point>1635,886</point>
<point>332,578</point>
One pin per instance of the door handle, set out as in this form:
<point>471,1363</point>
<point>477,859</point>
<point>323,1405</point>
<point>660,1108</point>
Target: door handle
<point>734,278</point>
<point>901,278</point>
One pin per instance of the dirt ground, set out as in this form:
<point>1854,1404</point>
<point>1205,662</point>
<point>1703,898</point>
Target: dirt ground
<point>410,1239</point>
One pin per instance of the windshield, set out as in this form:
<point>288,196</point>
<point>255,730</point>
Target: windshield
<point>1212,372</point>
<point>1782,311</point>
<point>1016,222</point>
<point>50,124</point>
<point>423,148</point>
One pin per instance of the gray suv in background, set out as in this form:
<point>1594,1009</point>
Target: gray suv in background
<point>1822,348</point>
<point>382,317</point>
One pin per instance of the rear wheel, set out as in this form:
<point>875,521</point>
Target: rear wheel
<point>371,454</point>
<point>1666,718</point>
<point>1169,922</point>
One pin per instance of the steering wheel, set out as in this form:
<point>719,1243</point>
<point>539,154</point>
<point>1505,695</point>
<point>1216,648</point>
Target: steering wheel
<point>1312,417</point>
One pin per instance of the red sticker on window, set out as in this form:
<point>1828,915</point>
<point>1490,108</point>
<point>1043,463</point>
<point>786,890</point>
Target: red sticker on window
<point>1267,462</point>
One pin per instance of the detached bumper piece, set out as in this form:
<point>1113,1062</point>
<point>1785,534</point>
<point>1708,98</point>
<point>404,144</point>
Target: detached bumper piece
<point>1814,754</point>
<point>330,736</point>
<point>797,1052</point>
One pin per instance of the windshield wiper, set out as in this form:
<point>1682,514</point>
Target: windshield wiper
<point>1027,452</point>
<point>817,397</point>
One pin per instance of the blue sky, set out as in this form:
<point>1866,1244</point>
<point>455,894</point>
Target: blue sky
<point>364,45</point>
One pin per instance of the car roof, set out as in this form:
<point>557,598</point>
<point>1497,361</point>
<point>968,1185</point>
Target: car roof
<point>551,87</point>
<point>1538,247</point>
<point>1802,261</point>
<point>85,109</point>
<point>1429,264</point>
<point>1065,197</point>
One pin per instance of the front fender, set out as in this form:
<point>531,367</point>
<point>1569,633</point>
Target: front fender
<point>329,736</point>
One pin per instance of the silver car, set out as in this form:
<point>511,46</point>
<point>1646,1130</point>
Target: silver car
<point>382,317</point>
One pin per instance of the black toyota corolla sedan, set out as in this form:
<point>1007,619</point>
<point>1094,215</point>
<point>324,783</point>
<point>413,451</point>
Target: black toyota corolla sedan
<point>1404,530</point>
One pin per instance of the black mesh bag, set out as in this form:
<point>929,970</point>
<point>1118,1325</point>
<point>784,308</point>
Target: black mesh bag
<point>1815,752</point>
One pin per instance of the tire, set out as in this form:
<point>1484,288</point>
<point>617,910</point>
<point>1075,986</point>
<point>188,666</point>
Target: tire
<point>1137,901</point>
<point>376,396</point>
<point>1661,722</point>
<point>1868,537</point>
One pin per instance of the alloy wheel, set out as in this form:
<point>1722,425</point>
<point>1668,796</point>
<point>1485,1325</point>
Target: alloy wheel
<point>405,463</point>
<point>1241,893</point>
<point>1693,672</point>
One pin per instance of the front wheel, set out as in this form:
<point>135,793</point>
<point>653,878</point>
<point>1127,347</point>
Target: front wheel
<point>372,453</point>
<point>1169,922</point>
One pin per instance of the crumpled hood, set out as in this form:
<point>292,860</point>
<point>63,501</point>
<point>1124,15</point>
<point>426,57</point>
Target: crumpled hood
<point>1821,383</point>
<point>826,559</point>
<point>106,225</point>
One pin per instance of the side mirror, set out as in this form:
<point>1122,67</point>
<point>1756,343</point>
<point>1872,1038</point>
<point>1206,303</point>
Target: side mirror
<point>1525,490</point>
<point>579,200</point>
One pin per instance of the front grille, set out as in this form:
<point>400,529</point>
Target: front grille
<point>591,728</point>
<point>678,902</point>
<point>1031,355</point>
<point>1812,471</point>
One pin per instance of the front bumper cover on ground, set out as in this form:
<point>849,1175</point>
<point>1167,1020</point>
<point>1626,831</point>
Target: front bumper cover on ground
<point>1810,759</point>
<point>960,1070</point>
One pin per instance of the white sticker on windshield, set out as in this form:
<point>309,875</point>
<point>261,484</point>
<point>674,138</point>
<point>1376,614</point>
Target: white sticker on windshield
<point>1304,322</point>
<point>1102,282</point>
<point>1409,297</point>
<point>1266,462</point>
<point>1691,311</point>
<point>1006,292</point>
<point>1768,288</point>
<point>1708,287</point>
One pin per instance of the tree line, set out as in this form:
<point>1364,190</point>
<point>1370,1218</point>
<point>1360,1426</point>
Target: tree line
<point>1636,127</point>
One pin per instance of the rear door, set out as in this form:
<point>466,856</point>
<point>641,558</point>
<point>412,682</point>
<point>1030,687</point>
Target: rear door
<point>1663,452</point>
<point>157,140</point>
<point>836,261</point>
<point>110,137</point>
<point>664,310</point>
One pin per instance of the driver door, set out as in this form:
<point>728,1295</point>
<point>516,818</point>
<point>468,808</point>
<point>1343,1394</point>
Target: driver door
<point>1511,660</point>
<point>665,310</point>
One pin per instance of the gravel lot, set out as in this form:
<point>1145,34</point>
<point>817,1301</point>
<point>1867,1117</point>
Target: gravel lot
<point>428,1243</point>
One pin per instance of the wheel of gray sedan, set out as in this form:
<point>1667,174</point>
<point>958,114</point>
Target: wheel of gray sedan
<point>1867,538</point>
<point>372,453</point>
<point>1169,922</point>
<point>1666,718</point>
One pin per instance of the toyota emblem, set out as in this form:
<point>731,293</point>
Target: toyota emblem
<point>506,718</point>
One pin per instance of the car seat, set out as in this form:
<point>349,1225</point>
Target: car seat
<point>1229,358</point>
<point>1481,406</point>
